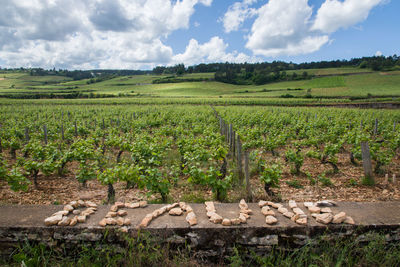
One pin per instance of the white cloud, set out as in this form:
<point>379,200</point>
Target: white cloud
<point>282,28</point>
<point>92,33</point>
<point>237,14</point>
<point>334,14</point>
<point>211,51</point>
<point>378,54</point>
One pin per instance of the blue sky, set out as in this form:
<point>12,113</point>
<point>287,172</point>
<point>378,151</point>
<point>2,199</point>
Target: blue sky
<point>141,34</point>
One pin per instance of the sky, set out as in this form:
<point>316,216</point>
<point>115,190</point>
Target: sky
<point>142,34</point>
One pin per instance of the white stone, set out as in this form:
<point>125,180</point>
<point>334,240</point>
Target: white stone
<point>339,218</point>
<point>146,220</point>
<point>298,211</point>
<point>132,205</point>
<point>276,205</point>
<point>246,211</point>
<point>262,203</point>
<point>288,214</point>
<point>292,204</point>
<point>324,218</point>
<point>68,208</point>
<point>182,205</point>
<point>349,220</point>
<point>111,214</point>
<point>243,204</point>
<point>74,221</point>
<point>308,204</point>
<point>124,229</point>
<point>235,221</point>
<point>76,212</point>
<point>111,221</point>
<point>143,204</point>
<point>302,221</point>
<point>61,212</point>
<point>176,212</point>
<point>90,204</point>
<point>226,222</point>
<point>127,221</point>
<point>53,220</point>
<point>120,205</point>
<point>81,203</point>
<point>81,219</point>
<point>103,222</point>
<point>314,215</point>
<point>191,218</point>
<point>120,221</point>
<point>282,210</point>
<point>270,220</point>
<point>326,210</point>
<point>242,218</point>
<point>245,215</point>
<point>114,208</point>
<point>314,209</point>
<point>122,213</point>
<point>189,208</point>
<point>216,218</point>
<point>74,204</point>
<point>264,210</point>
<point>64,222</point>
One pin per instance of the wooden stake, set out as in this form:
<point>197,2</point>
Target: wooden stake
<point>45,134</point>
<point>366,158</point>
<point>247,176</point>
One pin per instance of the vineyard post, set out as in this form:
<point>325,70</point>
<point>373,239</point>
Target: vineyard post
<point>361,124</point>
<point>394,126</point>
<point>45,133</point>
<point>26,134</point>
<point>247,176</point>
<point>62,131</point>
<point>394,178</point>
<point>231,137</point>
<point>376,127</point>
<point>228,140</point>
<point>239,160</point>
<point>366,158</point>
<point>76,129</point>
<point>233,144</point>
<point>134,115</point>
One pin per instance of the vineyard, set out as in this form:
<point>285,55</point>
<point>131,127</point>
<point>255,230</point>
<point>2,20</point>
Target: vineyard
<point>52,153</point>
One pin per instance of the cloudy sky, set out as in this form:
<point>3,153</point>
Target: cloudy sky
<point>141,34</point>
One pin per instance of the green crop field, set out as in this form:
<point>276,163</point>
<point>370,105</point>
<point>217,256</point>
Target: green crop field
<point>340,86</point>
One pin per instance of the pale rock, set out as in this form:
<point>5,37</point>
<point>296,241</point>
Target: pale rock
<point>142,204</point>
<point>308,204</point>
<point>127,221</point>
<point>302,221</point>
<point>349,220</point>
<point>295,217</point>
<point>65,221</point>
<point>163,209</point>
<point>156,213</point>
<point>171,206</point>
<point>339,218</point>
<point>122,213</point>
<point>74,204</point>
<point>235,221</point>
<point>216,218</point>
<point>146,220</point>
<point>189,208</point>
<point>270,220</point>
<point>314,215</point>
<point>191,218</point>
<point>210,213</point>
<point>61,212</point>
<point>314,209</point>
<point>270,213</point>
<point>81,203</point>
<point>324,218</point>
<point>292,204</point>
<point>111,221</point>
<point>226,222</point>
<point>111,214</point>
<point>53,220</point>
<point>132,205</point>
<point>76,212</point>
<point>120,221</point>
<point>210,206</point>
<point>276,205</point>
<point>326,210</point>
<point>176,212</point>
<point>119,205</point>
<point>265,210</point>
<point>124,229</point>
<point>182,205</point>
<point>262,203</point>
<point>114,208</point>
<point>81,219</point>
<point>88,212</point>
<point>245,215</point>
<point>68,208</point>
<point>270,203</point>
<point>243,204</point>
<point>288,214</point>
<point>90,204</point>
<point>282,210</point>
<point>103,222</point>
<point>246,211</point>
<point>74,221</point>
<point>298,211</point>
<point>242,218</point>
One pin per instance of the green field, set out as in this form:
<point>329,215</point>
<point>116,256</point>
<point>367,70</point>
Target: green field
<point>340,86</point>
